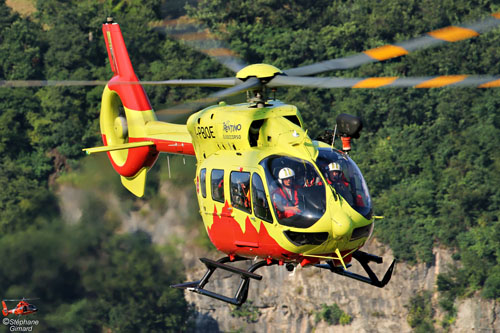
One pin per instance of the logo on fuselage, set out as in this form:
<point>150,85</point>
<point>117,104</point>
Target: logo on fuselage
<point>228,127</point>
<point>231,128</point>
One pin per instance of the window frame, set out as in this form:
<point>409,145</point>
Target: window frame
<point>237,205</point>
<point>214,186</point>
<point>270,218</point>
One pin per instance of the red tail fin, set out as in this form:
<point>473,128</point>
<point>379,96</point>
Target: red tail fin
<point>4,310</point>
<point>132,96</point>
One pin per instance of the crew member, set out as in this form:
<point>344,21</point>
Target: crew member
<point>337,179</point>
<point>285,197</point>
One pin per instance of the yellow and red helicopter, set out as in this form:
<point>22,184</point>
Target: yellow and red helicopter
<point>22,308</point>
<point>265,188</point>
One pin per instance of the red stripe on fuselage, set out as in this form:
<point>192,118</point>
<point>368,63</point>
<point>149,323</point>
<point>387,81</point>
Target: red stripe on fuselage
<point>228,237</point>
<point>174,147</point>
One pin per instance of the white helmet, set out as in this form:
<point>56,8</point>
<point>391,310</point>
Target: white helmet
<point>334,166</point>
<point>286,173</point>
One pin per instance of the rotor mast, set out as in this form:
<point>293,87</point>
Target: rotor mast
<point>264,73</point>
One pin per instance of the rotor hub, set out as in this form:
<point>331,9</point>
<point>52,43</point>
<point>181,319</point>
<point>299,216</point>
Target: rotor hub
<point>260,71</point>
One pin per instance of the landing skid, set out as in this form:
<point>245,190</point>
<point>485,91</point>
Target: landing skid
<point>363,258</point>
<point>241,294</point>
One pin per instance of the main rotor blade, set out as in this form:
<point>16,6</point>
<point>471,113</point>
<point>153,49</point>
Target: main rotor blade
<point>188,108</point>
<point>478,81</point>
<point>199,37</point>
<point>389,51</point>
<point>49,83</point>
<point>217,82</point>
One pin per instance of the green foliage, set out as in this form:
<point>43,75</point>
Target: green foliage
<point>333,315</point>
<point>449,287</point>
<point>420,312</point>
<point>88,277</point>
<point>492,284</point>
<point>24,202</point>
<point>249,312</point>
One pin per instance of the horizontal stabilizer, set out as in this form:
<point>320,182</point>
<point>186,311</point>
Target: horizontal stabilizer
<point>137,183</point>
<point>103,149</point>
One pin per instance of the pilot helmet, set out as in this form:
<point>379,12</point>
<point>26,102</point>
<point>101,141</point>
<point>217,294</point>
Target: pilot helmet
<point>285,173</point>
<point>334,166</point>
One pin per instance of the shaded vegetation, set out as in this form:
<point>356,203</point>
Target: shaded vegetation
<point>87,276</point>
<point>249,312</point>
<point>332,315</point>
<point>420,313</point>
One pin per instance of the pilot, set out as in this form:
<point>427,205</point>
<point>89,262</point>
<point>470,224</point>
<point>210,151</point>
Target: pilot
<point>285,197</point>
<point>335,173</point>
<point>337,179</point>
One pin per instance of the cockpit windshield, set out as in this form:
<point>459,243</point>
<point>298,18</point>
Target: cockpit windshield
<point>296,199</point>
<point>343,174</point>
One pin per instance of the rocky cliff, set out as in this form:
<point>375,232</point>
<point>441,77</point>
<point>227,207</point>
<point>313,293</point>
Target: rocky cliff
<point>290,302</point>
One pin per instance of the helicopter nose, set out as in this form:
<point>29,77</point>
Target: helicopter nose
<point>341,226</point>
<point>341,222</point>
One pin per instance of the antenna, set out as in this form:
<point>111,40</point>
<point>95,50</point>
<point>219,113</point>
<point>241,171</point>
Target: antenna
<point>334,134</point>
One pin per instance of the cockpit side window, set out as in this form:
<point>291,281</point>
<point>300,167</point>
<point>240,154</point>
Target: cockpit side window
<point>240,191</point>
<point>217,185</point>
<point>260,205</point>
<point>340,171</point>
<point>296,202</point>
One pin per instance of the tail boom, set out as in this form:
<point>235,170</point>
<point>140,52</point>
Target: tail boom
<point>132,136</point>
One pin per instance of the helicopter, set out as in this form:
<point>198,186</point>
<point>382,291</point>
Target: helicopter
<point>265,188</point>
<point>22,308</point>
<point>248,154</point>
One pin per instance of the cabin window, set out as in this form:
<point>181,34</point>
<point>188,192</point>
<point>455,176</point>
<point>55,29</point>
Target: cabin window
<point>240,191</point>
<point>203,182</point>
<point>260,205</point>
<point>217,184</point>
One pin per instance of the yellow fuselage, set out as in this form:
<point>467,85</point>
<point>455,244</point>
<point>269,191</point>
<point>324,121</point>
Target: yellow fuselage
<point>230,142</point>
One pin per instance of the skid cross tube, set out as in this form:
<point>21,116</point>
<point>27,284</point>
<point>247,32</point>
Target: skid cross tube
<point>241,294</point>
<point>363,258</point>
